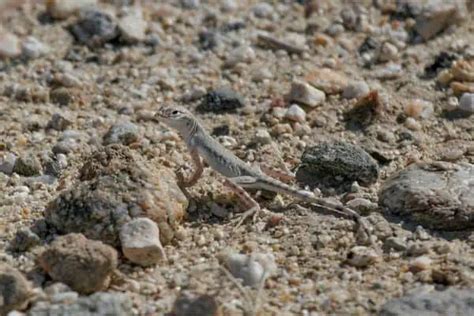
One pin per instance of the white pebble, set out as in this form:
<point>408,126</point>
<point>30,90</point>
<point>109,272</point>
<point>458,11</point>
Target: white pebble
<point>355,90</point>
<point>262,136</point>
<point>412,124</point>
<point>466,103</point>
<point>420,263</point>
<point>302,92</point>
<point>295,113</point>
<point>33,48</point>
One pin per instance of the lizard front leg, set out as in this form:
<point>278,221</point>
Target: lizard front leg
<point>198,169</point>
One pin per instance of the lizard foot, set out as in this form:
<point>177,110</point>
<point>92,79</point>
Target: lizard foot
<point>253,212</point>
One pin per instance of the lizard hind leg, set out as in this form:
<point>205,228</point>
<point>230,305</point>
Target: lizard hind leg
<point>253,208</point>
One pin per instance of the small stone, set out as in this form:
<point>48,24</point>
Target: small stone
<point>15,291</point>
<point>252,269</point>
<point>94,28</point>
<point>190,4</point>
<point>24,240</point>
<point>64,96</point>
<point>328,80</point>
<point>27,166</point>
<point>388,52</point>
<point>58,122</point>
<point>121,133</point>
<point>7,163</point>
<point>260,74</point>
<point>33,48</point>
<point>67,80</point>
<point>85,265</point>
<point>361,257</point>
<point>64,297</point>
<point>303,93</point>
<point>100,303</point>
<point>295,113</point>
<point>396,243</point>
<point>293,43</point>
<point>418,108</point>
<point>420,263</point>
<point>412,124</point>
<point>140,240</point>
<point>241,54</point>
<point>262,136</point>
<point>389,71</point>
<point>132,26</point>
<point>221,99</point>
<point>65,147</point>
<point>362,205</point>
<point>437,15</point>
<point>355,90</point>
<point>209,40</point>
<point>61,9</point>
<point>9,45</point>
<point>451,301</point>
<point>228,5</point>
<point>335,29</point>
<point>263,10</point>
<point>466,103</point>
<point>191,304</point>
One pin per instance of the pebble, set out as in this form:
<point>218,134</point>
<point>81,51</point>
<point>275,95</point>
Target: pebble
<point>190,4</point>
<point>124,133</point>
<point>27,166</point>
<point>388,52</point>
<point>388,72</point>
<point>418,108</point>
<point>189,304</point>
<point>7,163</point>
<point>304,93</point>
<point>140,239</point>
<point>65,297</point>
<point>15,290</point>
<point>209,40</point>
<point>262,136</point>
<point>396,243</point>
<point>466,103</point>
<point>32,48</point>
<point>328,80</point>
<point>436,16</point>
<point>361,257</point>
<point>293,43</point>
<point>296,113</point>
<point>228,5</point>
<point>362,205</point>
<point>252,269</point>
<point>263,10</point>
<point>132,26</point>
<point>260,74</point>
<point>9,45</point>
<point>25,239</point>
<point>420,263</point>
<point>412,124</point>
<point>221,99</point>
<point>94,28</point>
<point>83,264</point>
<point>58,122</point>
<point>64,96</point>
<point>241,54</point>
<point>61,9</point>
<point>355,90</point>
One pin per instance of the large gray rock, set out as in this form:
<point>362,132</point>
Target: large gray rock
<point>333,164</point>
<point>94,28</point>
<point>85,265</point>
<point>449,302</point>
<point>98,304</point>
<point>439,196</point>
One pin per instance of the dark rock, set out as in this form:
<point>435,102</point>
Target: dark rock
<point>442,60</point>
<point>208,40</point>
<point>449,302</point>
<point>15,290</point>
<point>191,304</point>
<point>98,304</point>
<point>221,99</point>
<point>121,133</point>
<point>430,195</point>
<point>52,167</point>
<point>333,164</point>
<point>27,166</point>
<point>64,96</point>
<point>369,45</point>
<point>94,28</point>
<point>84,265</point>
<point>24,240</point>
<point>222,130</point>
<point>58,122</point>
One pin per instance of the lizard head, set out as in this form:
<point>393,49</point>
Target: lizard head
<point>176,117</point>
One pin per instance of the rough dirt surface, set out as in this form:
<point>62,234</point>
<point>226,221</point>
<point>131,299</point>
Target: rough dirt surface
<point>386,76</point>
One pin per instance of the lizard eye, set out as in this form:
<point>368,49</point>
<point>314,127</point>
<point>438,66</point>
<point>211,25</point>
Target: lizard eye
<point>175,112</point>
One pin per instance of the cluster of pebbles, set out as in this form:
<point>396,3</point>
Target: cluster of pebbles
<point>368,102</point>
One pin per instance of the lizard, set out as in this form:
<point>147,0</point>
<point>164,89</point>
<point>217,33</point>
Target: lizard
<point>238,174</point>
